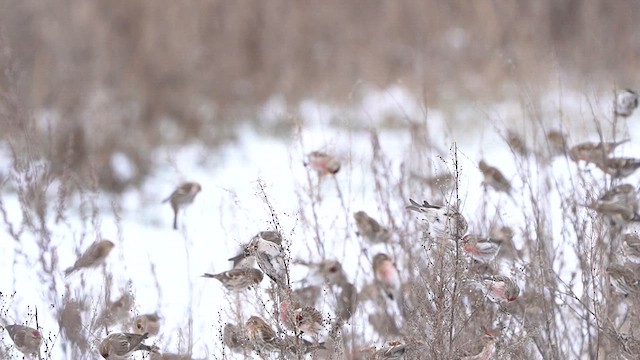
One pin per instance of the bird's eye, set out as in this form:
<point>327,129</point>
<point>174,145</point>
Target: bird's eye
<point>333,269</point>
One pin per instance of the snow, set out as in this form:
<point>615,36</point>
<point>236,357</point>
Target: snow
<point>230,210</point>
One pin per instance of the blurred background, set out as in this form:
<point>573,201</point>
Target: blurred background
<point>81,72</point>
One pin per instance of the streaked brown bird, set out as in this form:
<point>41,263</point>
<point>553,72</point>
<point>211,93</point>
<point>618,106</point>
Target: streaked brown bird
<point>305,319</point>
<point>322,163</point>
<point>243,259</point>
<point>494,178</point>
<point>444,221</point>
<point>631,247</point>
<point>181,197</point>
<point>238,279</point>
<point>619,167</point>
<point>499,288</point>
<point>330,271</point>
<point>147,324</point>
<point>623,279</point>
<point>92,257</point>
<point>120,346</point>
<point>370,229</point>
<point>27,340</point>
<point>619,204</point>
<point>117,311</point>
<point>557,143</point>
<point>593,152</point>
<point>234,337</point>
<point>261,336</point>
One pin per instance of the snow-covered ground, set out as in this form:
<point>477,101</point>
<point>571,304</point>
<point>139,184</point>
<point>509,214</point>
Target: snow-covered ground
<point>164,266</point>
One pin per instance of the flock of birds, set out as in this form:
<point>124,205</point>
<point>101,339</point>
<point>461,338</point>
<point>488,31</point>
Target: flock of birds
<point>296,311</point>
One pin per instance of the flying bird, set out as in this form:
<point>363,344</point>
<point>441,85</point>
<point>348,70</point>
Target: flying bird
<point>322,163</point>
<point>92,257</point>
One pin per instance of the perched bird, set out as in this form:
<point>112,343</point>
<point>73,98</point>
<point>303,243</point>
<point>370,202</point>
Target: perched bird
<point>593,152</point>
<point>182,196</point>
<point>308,295</point>
<point>387,275</point>
<point>270,257</point>
<point>261,336</point>
<point>242,259</point>
<point>347,301</point>
<point>626,103</point>
<point>393,350</point>
<point>557,143</point>
<point>331,271</point>
<point>516,143</point>
<point>619,167</point>
<point>500,288</point>
<point>370,229</point>
<point>238,279</point>
<point>631,247</point>
<point>234,337</point>
<point>487,351</point>
<point>624,280</point>
<point>92,257</point>
<point>305,319</point>
<point>295,347</point>
<point>116,311</point>
<point>620,204</point>
<point>494,178</point>
<point>147,324</point>
<point>444,222</point>
<point>479,248</point>
<point>26,339</point>
<point>121,345</point>
<point>322,162</point>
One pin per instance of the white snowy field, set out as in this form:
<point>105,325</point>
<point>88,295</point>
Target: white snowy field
<point>163,266</point>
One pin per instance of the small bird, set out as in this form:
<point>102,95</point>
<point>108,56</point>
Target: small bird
<point>500,288</point>
<point>323,163</point>
<point>444,222</point>
<point>238,279</point>
<point>261,336</point>
<point>270,257</point>
<point>234,337</point>
<point>631,247</point>
<point>305,319</point>
<point>370,229</point>
<point>623,279</point>
<point>488,349</point>
<point>121,345</point>
<point>116,311</point>
<point>494,178</point>
<point>620,204</point>
<point>516,143</point>
<point>27,340</point>
<point>557,143</point>
<point>479,248</point>
<point>92,257</point>
<point>181,197</point>
<point>147,324</point>
<point>295,347</point>
<point>626,103</point>
<point>387,275</point>
<point>393,350</point>
<point>242,260</point>
<point>592,152</point>
<point>619,167</point>
<point>331,271</point>
<point>346,301</point>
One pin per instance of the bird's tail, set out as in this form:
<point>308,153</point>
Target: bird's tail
<point>175,219</point>
<point>152,348</point>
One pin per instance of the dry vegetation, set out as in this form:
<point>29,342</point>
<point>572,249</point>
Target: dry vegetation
<point>75,74</point>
